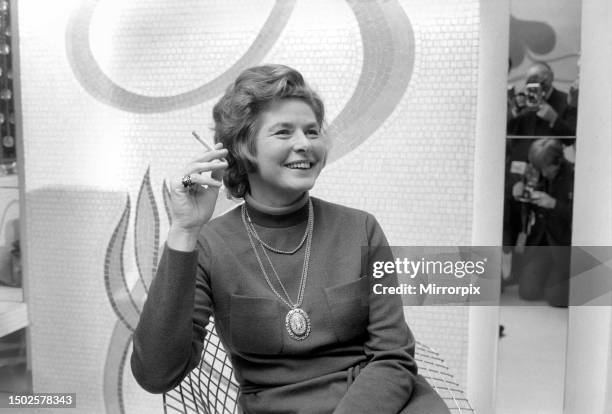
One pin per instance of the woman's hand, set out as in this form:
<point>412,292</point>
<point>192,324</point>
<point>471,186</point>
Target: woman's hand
<point>191,207</point>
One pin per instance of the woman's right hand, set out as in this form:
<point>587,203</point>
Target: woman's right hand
<point>192,207</point>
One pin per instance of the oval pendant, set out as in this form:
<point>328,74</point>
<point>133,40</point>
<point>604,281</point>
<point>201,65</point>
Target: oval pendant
<point>297,323</point>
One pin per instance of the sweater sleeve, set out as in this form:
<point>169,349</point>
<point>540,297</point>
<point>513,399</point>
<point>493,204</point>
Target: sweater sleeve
<point>386,383</point>
<point>167,342</point>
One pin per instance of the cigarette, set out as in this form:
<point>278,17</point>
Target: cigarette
<point>201,141</point>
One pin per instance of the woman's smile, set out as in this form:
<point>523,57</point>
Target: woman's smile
<point>299,165</point>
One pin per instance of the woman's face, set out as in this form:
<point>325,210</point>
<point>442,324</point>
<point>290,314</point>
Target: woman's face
<point>290,153</point>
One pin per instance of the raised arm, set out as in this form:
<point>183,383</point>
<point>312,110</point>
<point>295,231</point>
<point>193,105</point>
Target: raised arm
<point>167,342</point>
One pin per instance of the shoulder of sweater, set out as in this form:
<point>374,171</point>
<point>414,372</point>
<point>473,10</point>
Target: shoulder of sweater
<point>223,223</point>
<point>330,210</point>
<point>333,210</point>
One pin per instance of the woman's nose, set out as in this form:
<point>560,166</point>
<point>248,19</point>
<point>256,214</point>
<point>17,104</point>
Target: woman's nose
<point>301,141</point>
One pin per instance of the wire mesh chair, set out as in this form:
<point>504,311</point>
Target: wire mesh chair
<point>211,389</point>
<point>437,374</point>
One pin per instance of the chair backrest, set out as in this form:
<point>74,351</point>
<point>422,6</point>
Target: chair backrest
<point>211,389</point>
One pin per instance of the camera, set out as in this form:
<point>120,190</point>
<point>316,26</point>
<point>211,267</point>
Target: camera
<point>532,182</point>
<point>534,95</point>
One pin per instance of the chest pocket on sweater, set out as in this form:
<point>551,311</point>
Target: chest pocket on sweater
<point>255,325</point>
<point>348,304</point>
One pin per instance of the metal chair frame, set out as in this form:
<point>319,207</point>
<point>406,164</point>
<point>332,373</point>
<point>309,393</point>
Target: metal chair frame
<point>211,389</point>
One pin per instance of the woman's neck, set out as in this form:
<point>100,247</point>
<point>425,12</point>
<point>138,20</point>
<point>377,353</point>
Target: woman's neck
<point>276,208</point>
<point>279,217</point>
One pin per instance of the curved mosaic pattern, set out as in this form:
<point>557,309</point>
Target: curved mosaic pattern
<point>116,359</point>
<point>530,36</point>
<point>146,243</point>
<point>166,196</point>
<point>532,41</point>
<point>89,74</point>
<point>114,274</point>
<point>384,77</point>
<point>388,60</point>
<point>146,231</point>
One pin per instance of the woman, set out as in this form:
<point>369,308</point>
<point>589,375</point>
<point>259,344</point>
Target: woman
<point>282,274</point>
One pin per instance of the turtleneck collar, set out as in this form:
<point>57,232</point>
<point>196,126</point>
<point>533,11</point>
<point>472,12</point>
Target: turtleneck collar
<point>286,216</point>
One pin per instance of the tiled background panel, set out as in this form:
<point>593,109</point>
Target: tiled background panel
<point>87,149</point>
<point>71,318</point>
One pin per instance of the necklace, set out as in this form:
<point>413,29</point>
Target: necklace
<point>297,321</point>
<point>266,245</point>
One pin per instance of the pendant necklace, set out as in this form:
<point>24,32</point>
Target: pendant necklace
<point>297,321</point>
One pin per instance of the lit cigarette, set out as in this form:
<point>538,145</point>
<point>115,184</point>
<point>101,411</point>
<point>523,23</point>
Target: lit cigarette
<point>201,141</point>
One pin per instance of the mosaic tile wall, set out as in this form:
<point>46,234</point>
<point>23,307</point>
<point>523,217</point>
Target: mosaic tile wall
<point>112,90</point>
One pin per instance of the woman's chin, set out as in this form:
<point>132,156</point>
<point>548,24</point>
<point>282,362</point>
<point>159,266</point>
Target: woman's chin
<point>302,184</point>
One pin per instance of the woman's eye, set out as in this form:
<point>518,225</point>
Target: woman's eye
<point>282,132</point>
<point>312,133</point>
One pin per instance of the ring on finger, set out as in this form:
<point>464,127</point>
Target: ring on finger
<point>186,181</point>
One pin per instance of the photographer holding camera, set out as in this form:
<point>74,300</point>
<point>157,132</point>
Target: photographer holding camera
<point>546,194</point>
<point>541,109</point>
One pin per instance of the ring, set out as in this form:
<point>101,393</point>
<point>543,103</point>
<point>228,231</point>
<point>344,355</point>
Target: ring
<point>187,181</point>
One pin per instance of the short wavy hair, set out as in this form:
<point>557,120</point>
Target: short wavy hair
<point>237,119</point>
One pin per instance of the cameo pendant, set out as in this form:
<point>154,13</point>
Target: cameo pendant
<point>297,323</point>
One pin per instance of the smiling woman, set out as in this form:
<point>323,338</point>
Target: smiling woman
<point>304,335</point>
<point>290,153</point>
<point>268,119</point>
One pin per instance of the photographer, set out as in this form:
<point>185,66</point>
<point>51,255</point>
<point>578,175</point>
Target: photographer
<point>547,196</point>
<point>541,109</point>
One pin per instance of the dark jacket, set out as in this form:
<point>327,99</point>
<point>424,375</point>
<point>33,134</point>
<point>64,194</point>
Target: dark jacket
<point>553,227</point>
<point>528,123</point>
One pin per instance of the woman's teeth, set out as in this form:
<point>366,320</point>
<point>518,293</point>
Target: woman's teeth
<point>302,165</point>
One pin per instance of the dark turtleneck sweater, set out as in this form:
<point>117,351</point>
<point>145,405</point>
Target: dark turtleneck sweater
<point>358,357</point>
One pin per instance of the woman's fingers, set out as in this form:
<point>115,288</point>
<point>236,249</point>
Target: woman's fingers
<point>212,161</point>
<point>216,154</point>
<point>199,167</point>
<point>194,180</point>
<point>200,179</point>
<point>217,174</point>
<point>216,168</point>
